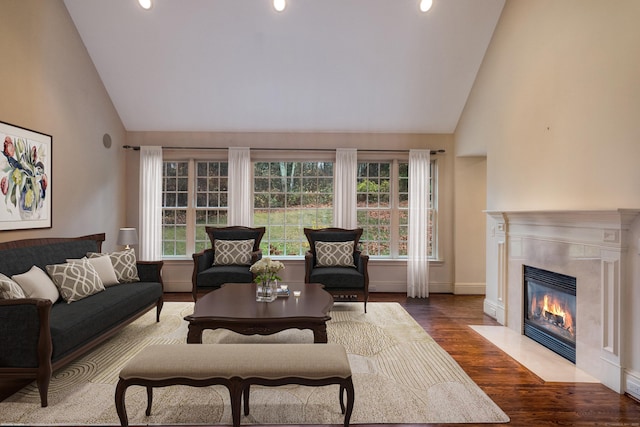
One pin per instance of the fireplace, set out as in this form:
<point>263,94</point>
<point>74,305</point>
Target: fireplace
<point>550,310</point>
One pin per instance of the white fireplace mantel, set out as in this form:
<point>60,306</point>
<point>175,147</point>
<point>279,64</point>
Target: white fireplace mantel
<point>590,245</point>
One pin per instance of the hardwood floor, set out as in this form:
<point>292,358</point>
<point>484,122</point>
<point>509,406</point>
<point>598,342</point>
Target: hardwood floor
<point>526,399</point>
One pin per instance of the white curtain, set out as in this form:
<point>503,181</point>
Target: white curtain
<point>345,177</point>
<point>150,203</point>
<point>240,195</point>
<point>418,261</point>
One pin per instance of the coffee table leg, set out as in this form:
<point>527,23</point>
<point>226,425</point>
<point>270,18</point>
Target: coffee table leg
<point>320,334</point>
<point>195,334</point>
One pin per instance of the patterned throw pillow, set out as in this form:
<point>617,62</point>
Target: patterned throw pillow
<point>10,289</point>
<point>233,252</point>
<point>75,280</point>
<point>334,254</point>
<point>103,267</point>
<point>36,284</point>
<point>124,264</point>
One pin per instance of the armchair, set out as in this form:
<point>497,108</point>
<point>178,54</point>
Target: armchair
<point>333,259</point>
<point>231,264</point>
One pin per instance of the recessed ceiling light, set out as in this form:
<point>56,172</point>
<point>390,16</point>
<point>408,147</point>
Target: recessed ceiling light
<point>425,5</point>
<point>279,5</point>
<point>146,4</point>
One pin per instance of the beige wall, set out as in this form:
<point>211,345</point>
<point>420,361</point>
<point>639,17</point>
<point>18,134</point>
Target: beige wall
<point>384,275</point>
<point>556,103</point>
<point>469,219</point>
<point>555,107</point>
<point>49,84</point>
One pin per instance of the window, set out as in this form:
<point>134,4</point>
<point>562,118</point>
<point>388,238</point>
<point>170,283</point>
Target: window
<point>383,208</point>
<point>374,208</point>
<point>289,196</point>
<point>175,196</point>
<point>190,204</point>
<point>211,200</point>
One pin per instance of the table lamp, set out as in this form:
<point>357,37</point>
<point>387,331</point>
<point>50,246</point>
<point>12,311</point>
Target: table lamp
<point>127,236</point>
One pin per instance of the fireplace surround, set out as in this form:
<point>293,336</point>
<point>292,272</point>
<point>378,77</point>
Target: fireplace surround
<point>590,246</point>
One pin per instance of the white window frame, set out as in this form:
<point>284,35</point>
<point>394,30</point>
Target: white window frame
<point>190,242</point>
<point>395,209</point>
<point>300,240</point>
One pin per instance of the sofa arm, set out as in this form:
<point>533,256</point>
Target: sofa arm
<point>362,266</point>
<point>25,335</point>
<point>308,266</point>
<point>150,271</point>
<point>256,256</point>
<point>201,261</point>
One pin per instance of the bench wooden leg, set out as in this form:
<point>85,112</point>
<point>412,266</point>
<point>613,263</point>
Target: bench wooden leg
<point>235,393</point>
<point>149,400</point>
<point>121,389</point>
<point>350,398</point>
<point>245,394</point>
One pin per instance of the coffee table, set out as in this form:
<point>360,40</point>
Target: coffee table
<point>233,306</point>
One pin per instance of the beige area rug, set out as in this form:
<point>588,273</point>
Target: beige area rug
<point>400,375</point>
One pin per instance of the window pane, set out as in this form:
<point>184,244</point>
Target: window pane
<point>211,200</point>
<point>374,211</point>
<point>289,196</point>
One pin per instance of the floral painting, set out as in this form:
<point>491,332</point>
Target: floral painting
<point>25,178</point>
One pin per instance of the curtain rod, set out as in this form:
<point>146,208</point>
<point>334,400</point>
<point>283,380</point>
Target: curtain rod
<point>137,148</point>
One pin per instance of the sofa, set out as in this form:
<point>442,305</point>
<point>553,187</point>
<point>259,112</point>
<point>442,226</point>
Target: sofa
<point>39,335</point>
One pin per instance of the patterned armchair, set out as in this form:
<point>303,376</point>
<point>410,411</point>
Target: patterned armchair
<point>229,258</point>
<point>334,260</point>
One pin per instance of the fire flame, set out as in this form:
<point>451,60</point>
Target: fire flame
<point>553,307</point>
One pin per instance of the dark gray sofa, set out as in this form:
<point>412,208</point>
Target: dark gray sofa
<point>37,337</point>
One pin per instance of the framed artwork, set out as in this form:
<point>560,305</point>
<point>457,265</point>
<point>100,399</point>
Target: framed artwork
<point>25,178</point>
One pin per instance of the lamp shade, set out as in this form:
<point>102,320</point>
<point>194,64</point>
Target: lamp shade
<point>127,236</point>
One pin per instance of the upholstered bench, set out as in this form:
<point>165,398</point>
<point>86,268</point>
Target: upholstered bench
<point>237,367</point>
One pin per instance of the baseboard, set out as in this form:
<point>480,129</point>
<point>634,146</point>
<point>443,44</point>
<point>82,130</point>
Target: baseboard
<point>632,384</point>
<point>469,288</point>
<point>493,310</point>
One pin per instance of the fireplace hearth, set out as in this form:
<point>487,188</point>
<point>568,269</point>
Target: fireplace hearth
<point>550,310</point>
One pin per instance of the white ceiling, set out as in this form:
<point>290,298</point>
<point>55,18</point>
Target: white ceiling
<point>321,65</point>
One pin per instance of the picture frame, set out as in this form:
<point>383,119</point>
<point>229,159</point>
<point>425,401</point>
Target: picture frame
<point>25,178</point>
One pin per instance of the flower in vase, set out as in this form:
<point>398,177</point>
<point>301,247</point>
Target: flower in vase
<point>266,270</point>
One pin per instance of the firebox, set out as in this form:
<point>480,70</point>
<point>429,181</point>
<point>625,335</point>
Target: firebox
<point>550,310</point>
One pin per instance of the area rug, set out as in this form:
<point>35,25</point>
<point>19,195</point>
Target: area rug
<point>400,375</point>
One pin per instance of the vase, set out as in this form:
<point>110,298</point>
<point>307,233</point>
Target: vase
<point>266,291</point>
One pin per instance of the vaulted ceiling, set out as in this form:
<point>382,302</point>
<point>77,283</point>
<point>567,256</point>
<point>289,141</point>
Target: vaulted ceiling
<point>318,66</point>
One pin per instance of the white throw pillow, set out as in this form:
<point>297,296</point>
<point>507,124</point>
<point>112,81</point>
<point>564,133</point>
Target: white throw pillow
<point>124,264</point>
<point>10,289</point>
<point>103,267</point>
<point>335,254</point>
<point>233,252</point>
<point>36,284</point>
<point>75,280</point>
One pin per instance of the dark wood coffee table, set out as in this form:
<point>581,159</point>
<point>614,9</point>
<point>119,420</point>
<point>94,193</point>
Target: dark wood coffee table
<point>234,307</point>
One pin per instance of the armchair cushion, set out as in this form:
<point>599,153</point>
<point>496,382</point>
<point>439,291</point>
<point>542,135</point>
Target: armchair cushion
<point>335,254</point>
<point>233,252</point>
<point>216,276</point>
<point>337,278</point>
